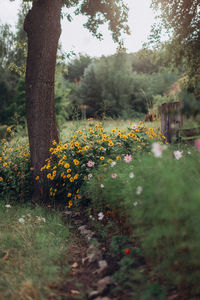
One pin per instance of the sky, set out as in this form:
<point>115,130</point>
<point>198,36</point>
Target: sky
<point>76,38</point>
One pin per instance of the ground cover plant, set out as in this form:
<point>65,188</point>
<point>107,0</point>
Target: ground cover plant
<point>33,251</point>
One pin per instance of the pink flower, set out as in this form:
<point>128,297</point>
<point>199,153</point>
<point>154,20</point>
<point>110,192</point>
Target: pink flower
<point>197,143</point>
<point>128,158</point>
<point>90,163</point>
<point>114,175</point>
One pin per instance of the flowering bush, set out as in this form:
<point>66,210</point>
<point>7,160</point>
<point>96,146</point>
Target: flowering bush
<point>155,201</point>
<point>15,174</point>
<point>71,164</point>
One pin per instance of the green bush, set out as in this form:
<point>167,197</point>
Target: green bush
<point>71,164</point>
<point>15,174</point>
<point>157,200</point>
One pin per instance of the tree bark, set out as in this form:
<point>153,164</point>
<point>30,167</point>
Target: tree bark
<point>42,25</point>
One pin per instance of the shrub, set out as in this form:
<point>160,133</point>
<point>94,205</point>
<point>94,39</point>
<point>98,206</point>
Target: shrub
<point>15,174</point>
<point>155,200</point>
<point>71,164</point>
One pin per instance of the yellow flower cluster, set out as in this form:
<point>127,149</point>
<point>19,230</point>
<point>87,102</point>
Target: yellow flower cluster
<point>70,164</point>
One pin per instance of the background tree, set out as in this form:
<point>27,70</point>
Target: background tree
<point>181,19</point>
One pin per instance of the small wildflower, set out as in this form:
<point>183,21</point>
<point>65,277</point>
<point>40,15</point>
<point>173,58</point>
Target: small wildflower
<point>8,206</point>
<point>127,251</point>
<point>102,185</point>
<point>70,204</point>
<point>134,126</point>
<point>135,203</point>
<point>37,177</point>
<point>114,175</point>
<point>157,149</point>
<point>1,179</point>
<point>21,220</point>
<point>102,158</point>
<point>139,190</point>
<point>100,216</point>
<point>177,154</point>
<point>113,163</point>
<point>90,163</point>
<point>128,158</point>
<point>89,176</point>
<point>131,175</point>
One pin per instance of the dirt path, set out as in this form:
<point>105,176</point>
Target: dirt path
<point>89,276</point>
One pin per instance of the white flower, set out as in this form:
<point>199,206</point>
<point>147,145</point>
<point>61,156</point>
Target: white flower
<point>131,175</point>
<point>113,163</point>
<point>134,126</point>
<point>100,216</point>
<point>139,190</point>
<point>177,154</point>
<point>41,219</point>
<point>91,217</point>
<point>135,203</point>
<point>189,152</point>
<point>21,220</point>
<point>157,149</point>
<point>89,176</point>
<point>8,206</point>
<point>102,185</point>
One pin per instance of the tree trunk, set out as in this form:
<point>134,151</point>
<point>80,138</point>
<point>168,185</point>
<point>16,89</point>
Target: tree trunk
<point>42,25</point>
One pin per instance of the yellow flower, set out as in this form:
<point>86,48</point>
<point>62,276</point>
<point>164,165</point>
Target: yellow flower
<point>49,175</point>
<point>102,158</point>
<point>5,165</point>
<point>118,158</point>
<point>76,144</point>
<point>1,178</point>
<point>79,131</point>
<point>69,195</point>
<point>70,204</point>
<point>76,176</point>
<point>66,165</point>
<point>68,170</point>
<point>78,196</point>
<point>76,162</point>
<point>54,142</point>
<point>71,179</point>
<point>37,177</point>
<point>68,175</point>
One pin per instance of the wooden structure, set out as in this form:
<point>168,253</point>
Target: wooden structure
<point>188,135</point>
<point>171,120</point>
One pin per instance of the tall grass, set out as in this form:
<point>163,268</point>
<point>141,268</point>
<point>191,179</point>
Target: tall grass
<point>33,251</point>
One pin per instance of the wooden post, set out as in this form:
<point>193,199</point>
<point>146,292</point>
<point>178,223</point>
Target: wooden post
<point>171,119</point>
